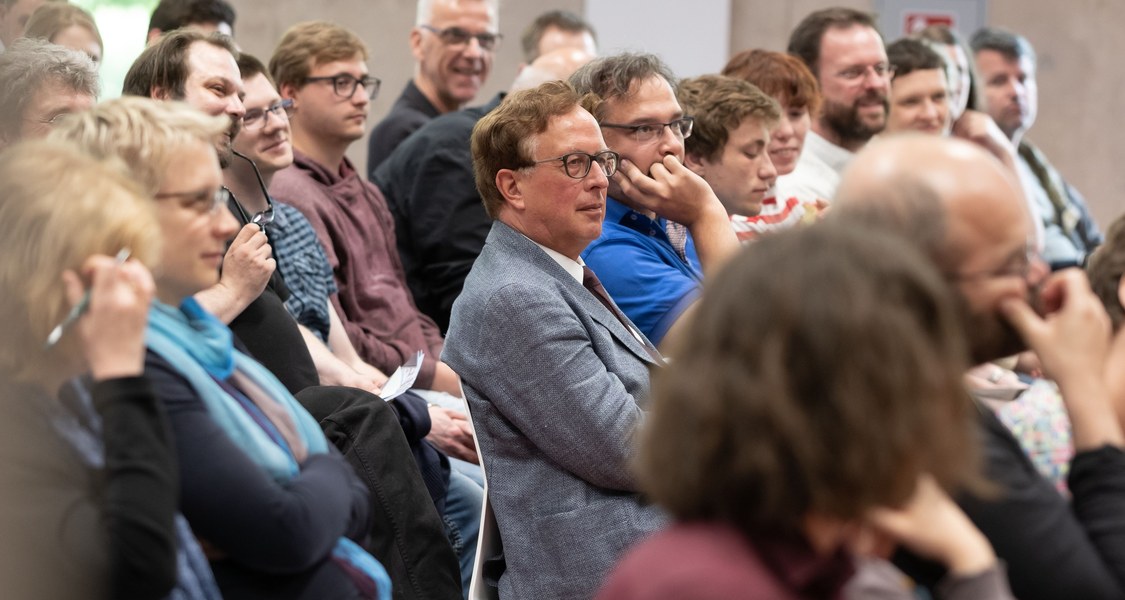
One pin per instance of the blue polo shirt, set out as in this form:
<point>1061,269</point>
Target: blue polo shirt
<point>640,269</point>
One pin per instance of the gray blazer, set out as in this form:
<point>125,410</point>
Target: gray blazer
<point>556,385</point>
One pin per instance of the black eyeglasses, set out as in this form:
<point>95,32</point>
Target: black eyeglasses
<point>344,85</point>
<point>646,132</point>
<point>256,118</point>
<point>577,164</point>
<point>455,36</point>
<point>266,216</point>
<point>204,203</point>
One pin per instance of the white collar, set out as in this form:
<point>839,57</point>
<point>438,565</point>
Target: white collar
<point>574,268</point>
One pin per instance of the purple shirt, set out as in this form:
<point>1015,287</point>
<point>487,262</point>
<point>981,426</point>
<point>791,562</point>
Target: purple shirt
<point>355,227</point>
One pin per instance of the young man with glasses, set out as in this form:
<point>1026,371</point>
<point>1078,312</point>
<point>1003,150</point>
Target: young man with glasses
<point>844,50</point>
<point>453,43</point>
<point>557,378</point>
<point>664,226</point>
<point>322,68</point>
<point>262,149</point>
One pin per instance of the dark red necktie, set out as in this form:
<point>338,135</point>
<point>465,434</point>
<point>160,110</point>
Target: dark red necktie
<point>592,283</point>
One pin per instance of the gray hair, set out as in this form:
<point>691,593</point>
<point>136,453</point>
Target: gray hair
<point>29,64</point>
<point>1011,45</point>
<point>609,77</point>
<point>563,20</point>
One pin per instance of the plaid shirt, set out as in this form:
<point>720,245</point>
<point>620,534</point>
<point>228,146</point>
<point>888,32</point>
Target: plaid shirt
<point>304,267</point>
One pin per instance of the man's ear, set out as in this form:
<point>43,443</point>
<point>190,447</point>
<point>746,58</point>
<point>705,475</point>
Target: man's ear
<point>416,44</point>
<point>696,164</point>
<point>288,91</point>
<point>1121,291</point>
<point>509,186</point>
<point>159,93</point>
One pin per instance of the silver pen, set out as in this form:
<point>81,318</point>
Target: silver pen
<point>79,309</point>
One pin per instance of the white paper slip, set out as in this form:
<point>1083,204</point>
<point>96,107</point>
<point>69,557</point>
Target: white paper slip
<point>403,378</point>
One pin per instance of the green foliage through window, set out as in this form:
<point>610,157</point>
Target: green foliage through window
<point>92,5</point>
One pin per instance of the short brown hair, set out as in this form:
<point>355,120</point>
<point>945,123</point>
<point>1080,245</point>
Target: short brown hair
<point>51,18</point>
<point>780,75</point>
<point>719,105</point>
<point>59,207</point>
<point>609,77</point>
<point>503,139</point>
<point>170,15</point>
<point>308,44</point>
<point>908,55</point>
<point>249,66</point>
<point>1106,268</point>
<point>760,424</point>
<point>804,42</point>
<point>163,65</point>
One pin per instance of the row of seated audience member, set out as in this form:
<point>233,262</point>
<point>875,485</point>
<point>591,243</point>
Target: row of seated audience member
<point>213,417</point>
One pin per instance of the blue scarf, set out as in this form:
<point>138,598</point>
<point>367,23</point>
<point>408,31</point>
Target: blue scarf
<point>201,348</point>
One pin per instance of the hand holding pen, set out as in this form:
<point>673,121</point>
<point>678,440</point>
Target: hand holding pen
<point>112,313</point>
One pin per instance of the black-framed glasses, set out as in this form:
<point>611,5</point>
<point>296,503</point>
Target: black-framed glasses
<point>577,164</point>
<point>265,217</point>
<point>455,36</point>
<point>646,132</point>
<point>204,203</point>
<point>256,118</point>
<point>344,85</point>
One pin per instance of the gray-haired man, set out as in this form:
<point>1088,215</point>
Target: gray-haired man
<point>42,82</point>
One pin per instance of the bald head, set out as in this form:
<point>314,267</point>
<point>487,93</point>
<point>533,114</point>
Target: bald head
<point>933,189</point>
<point>964,209</point>
<point>552,66</point>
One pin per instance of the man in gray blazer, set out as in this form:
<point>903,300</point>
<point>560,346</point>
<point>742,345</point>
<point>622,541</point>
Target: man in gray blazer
<point>556,379</point>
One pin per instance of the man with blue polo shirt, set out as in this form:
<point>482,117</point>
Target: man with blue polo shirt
<point>664,227</point>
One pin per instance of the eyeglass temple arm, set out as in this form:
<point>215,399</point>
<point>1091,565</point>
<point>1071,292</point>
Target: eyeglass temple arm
<point>261,182</point>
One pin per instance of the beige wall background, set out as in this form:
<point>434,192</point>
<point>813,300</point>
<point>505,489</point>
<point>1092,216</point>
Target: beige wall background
<point>1081,84</point>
